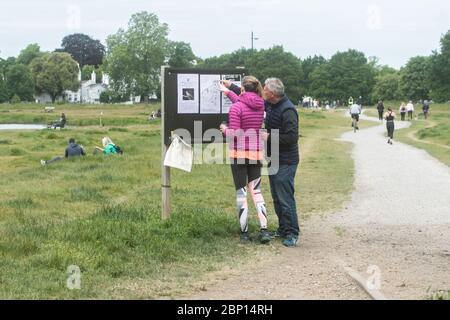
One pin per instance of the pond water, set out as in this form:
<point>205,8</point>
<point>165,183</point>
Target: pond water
<point>22,126</point>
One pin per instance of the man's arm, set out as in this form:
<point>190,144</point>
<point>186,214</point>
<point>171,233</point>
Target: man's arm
<point>235,89</point>
<point>289,127</point>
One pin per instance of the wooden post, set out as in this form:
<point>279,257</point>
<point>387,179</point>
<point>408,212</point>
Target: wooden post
<point>165,171</point>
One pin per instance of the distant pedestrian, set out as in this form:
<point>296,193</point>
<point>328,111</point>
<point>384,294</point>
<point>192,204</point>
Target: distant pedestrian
<point>410,110</point>
<point>390,125</point>
<point>426,109</point>
<point>380,108</point>
<point>360,101</point>
<point>402,111</point>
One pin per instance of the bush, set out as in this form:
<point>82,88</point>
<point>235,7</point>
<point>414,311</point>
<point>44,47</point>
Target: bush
<point>105,97</point>
<point>15,99</point>
<point>110,96</point>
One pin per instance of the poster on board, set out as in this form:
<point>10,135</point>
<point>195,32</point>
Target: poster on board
<point>188,97</point>
<point>234,79</point>
<point>210,94</point>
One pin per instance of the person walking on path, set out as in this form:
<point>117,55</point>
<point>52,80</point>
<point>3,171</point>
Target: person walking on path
<point>426,109</point>
<point>246,117</point>
<point>72,150</point>
<point>390,125</point>
<point>410,110</point>
<point>402,111</point>
<point>281,115</point>
<point>380,108</point>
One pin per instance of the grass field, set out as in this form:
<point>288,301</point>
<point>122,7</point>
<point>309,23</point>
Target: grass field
<point>102,214</point>
<point>432,135</point>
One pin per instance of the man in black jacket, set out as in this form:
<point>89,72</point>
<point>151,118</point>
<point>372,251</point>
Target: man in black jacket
<point>283,132</point>
<point>72,150</point>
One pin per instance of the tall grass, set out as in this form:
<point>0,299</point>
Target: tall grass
<point>102,213</point>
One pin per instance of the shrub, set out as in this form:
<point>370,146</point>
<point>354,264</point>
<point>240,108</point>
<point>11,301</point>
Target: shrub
<point>15,99</point>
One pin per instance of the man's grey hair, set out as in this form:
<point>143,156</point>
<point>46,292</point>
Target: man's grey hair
<point>276,86</point>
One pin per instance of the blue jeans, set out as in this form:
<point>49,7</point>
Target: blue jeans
<point>282,189</point>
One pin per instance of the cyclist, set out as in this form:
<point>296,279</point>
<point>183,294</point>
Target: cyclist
<point>355,111</point>
<point>350,101</point>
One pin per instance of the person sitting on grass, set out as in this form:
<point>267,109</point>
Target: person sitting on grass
<point>108,147</point>
<point>72,150</point>
<point>61,123</point>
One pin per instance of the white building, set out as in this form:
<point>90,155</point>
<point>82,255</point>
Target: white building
<point>89,91</point>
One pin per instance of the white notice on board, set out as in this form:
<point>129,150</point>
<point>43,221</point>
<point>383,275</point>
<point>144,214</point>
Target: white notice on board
<point>188,101</point>
<point>209,94</point>
<point>234,79</point>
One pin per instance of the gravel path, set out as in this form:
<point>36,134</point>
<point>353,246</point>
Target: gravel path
<point>395,233</point>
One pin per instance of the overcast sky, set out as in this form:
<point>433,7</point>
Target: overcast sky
<point>392,30</point>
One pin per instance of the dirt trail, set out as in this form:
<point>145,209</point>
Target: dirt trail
<point>397,226</point>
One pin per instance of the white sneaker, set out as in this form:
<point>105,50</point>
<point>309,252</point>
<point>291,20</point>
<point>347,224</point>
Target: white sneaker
<point>43,162</point>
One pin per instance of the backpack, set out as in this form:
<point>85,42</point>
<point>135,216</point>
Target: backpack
<point>118,149</point>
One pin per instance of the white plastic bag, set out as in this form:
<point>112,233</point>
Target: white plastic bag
<point>179,155</point>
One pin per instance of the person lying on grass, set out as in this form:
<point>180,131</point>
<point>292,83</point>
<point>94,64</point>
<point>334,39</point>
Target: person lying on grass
<point>72,150</point>
<point>108,147</point>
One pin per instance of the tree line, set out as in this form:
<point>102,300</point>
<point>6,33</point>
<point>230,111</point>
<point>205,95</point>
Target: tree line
<point>133,57</point>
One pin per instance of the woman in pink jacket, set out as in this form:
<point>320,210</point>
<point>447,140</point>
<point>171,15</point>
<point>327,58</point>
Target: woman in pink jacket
<point>246,117</point>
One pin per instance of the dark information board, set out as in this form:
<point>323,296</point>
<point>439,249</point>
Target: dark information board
<point>192,95</point>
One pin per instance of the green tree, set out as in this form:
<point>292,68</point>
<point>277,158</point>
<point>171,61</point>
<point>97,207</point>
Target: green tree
<point>439,72</point>
<point>30,53</point>
<point>4,64</point>
<point>84,49</point>
<point>414,83</point>
<point>15,99</point>
<point>238,58</point>
<point>135,55</point>
<point>383,70</point>
<point>345,74</point>
<point>19,81</point>
<point>3,91</point>
<point>263,64</point>
<point>54,73</point>
<point>86,73</point>
<point>181,55</point>
<point>275,62</point>
<point>308,66</point>
<point>387,87</point>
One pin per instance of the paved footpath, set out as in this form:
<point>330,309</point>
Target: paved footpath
<point>395,233</point>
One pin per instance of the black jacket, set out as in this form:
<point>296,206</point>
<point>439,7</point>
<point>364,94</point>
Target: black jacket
<point>74,149</point>
<point>284,117</point>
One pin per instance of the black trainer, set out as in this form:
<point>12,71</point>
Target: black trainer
<point>245,237</point>
<point>264,236</point>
